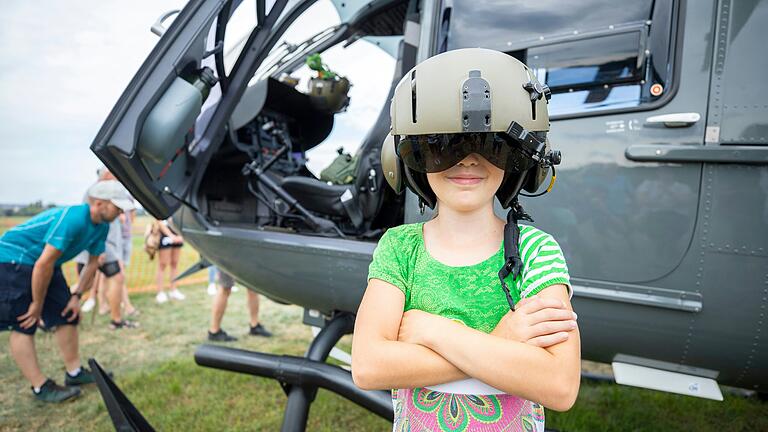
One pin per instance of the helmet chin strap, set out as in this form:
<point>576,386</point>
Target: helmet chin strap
<point>513,265</point>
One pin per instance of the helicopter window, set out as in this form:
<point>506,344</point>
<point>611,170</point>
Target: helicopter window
<point>608,58</point>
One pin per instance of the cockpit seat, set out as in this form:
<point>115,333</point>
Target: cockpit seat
<point>316,196</point>
<point>359,202</point>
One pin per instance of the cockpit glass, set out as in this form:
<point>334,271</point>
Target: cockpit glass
<point>592,57</point>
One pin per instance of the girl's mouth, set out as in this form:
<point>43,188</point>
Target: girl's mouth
<point>465,180</point>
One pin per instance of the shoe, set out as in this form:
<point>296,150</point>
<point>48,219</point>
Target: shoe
<point>115,325</point>
<point>212,289</point>
<point>88,305</point>
<point>52,392</point>
<point>176,295</point>
<point>134,312</point>
<point>259,330</point>
<point>85,376</point>
<point>220,336</point>
<point>161,297</point>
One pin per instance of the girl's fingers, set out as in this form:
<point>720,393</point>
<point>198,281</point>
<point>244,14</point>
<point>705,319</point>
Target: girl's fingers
<point>548,340</point>
<point>551,327</point>
<point>551,314</point>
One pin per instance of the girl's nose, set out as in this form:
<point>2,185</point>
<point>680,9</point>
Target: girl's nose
<point>470,160</point>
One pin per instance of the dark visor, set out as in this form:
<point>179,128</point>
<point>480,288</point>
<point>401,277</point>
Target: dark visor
<point>438,152</point>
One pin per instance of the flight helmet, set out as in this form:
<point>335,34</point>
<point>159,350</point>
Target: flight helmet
<point>471,101</point>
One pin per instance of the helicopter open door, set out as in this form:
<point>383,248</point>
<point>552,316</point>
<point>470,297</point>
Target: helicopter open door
<point>146,140</point>
<point>155,140</point>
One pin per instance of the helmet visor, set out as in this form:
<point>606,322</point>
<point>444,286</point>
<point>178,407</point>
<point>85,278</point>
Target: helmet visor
<point>438,152</point>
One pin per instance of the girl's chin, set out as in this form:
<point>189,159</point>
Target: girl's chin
<point>465,205</point>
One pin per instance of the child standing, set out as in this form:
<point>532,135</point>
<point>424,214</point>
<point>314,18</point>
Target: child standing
<point>468,316</point>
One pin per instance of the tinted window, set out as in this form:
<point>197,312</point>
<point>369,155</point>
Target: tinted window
<point>595,61</point>
<point>500,24</point>
<point>592,54</point>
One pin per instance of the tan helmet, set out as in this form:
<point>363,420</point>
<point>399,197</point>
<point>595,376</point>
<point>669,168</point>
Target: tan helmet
<point>463,92</point>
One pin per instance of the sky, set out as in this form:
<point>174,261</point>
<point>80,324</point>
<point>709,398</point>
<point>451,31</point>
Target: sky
<point>63,65</point>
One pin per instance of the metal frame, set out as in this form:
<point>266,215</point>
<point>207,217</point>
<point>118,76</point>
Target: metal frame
<point>301,377</point>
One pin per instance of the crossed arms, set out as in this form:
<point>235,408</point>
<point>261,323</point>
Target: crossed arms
<point>533,353</point>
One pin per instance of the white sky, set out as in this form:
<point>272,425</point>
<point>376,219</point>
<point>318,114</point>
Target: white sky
<point>63,66</point>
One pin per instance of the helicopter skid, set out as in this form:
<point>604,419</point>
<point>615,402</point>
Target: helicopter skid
<point>300,377</point>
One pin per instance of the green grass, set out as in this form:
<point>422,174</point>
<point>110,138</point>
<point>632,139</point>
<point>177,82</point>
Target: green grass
<point>154,367</point>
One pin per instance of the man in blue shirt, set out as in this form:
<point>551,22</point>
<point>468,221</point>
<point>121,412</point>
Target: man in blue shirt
<point>32,286</point>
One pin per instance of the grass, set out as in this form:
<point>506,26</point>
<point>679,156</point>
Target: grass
<point>154,367</point>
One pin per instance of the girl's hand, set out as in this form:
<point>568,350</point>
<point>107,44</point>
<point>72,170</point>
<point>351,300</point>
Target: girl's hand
<point>416,325</point>
<point>540,322</point>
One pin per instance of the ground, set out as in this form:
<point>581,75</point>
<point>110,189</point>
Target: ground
<point>155,368</point>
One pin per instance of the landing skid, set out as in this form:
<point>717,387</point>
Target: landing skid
<point>300,377</point>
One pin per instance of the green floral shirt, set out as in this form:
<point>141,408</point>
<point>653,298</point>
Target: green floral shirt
<point>471,294</point>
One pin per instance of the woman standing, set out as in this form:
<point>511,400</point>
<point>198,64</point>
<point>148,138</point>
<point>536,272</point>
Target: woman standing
<point>168,257</point>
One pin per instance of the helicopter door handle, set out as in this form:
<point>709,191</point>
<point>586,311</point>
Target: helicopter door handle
<point>157,28</point>
<point>674,120</point>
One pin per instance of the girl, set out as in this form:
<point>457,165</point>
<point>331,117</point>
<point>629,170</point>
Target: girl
<point>467,346</point>
<point>169,252</point>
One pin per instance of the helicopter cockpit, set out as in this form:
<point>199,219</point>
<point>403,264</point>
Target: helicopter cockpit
<point>259,175</point>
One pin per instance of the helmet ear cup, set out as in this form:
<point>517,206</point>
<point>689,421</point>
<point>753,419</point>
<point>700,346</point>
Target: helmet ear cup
<point>418,183</point>
<point>391,164</point>
<point>510,187</point>
<point>534,178</point>
<point>538,173</point>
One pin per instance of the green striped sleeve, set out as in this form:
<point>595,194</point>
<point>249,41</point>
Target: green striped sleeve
<point>544,263</point>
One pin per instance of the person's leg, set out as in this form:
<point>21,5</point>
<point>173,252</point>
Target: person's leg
<point>101,293</point>
<point>69,347</point>
<point>174,263</point>
<point>253,307</point>
<point>113,287</point>
<point>175,255</point>
<point>212,289</point>
<point>219,307</point>
<point>163,257</point>
<point>256,329</point>
<point>25,355</point>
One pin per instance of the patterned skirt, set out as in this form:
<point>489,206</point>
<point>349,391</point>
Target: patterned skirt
<point>423,409</point>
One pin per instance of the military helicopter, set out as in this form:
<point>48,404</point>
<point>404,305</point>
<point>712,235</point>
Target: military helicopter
<point>661,203</point>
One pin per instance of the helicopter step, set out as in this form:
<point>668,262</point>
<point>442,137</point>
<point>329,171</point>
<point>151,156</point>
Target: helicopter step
<point>300,377</point>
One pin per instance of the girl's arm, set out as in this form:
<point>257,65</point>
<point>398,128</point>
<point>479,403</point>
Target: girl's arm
<point>549,376</point>
<point>164,230</point>
<point>379,361</point>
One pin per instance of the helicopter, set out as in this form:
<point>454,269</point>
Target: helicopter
<point>661,203</point>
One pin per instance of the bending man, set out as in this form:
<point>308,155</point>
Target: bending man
<point>32,286</point>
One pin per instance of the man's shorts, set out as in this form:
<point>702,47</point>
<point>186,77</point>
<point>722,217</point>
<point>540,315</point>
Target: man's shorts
<point>16,295</point>
<point>109,269</point>
<point>226,280</point>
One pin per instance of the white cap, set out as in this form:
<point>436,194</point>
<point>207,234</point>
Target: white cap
<point>112,190</point>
